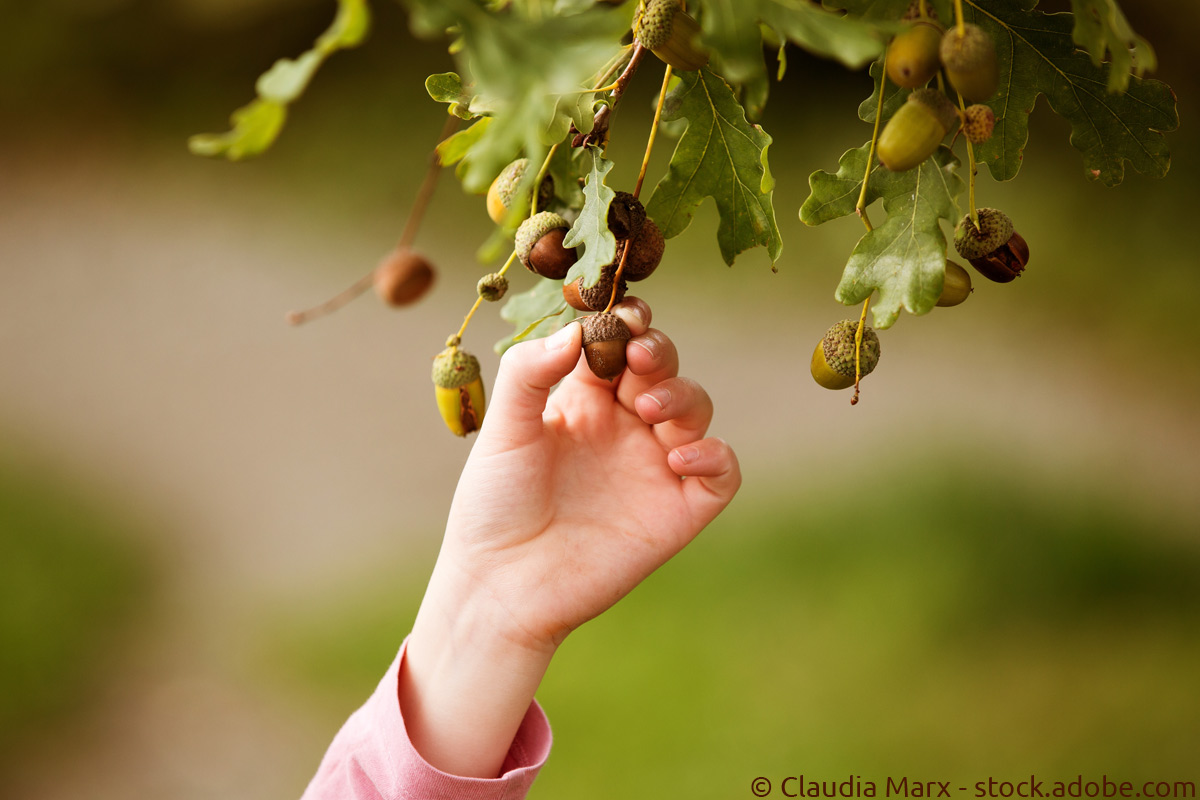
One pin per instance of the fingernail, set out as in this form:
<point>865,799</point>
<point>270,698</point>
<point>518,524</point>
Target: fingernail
<point>633,315</point>
<point>659,396</point>
<point>561,339</point>
<point>687,455</point>
<point>647,343</point>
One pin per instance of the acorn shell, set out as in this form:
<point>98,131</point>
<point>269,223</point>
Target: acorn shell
<point>912,57</point>
<point>956,285</point>
<point>539,245</point>
<point>915,130</point>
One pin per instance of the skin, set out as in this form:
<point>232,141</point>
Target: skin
<point>567,502</point>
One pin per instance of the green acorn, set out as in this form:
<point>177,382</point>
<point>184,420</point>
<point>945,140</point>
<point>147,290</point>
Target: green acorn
<point>994,248</point>
<point>916,129</point>
<point>833,359</point>
<point>604,340</point>
<point>502,194</point>
<point>912,57</point>
<point>978,123</point>
<point>970,61</point>
<point>956,285</point>
<point>492,287</point>
<point>670,33</point>
<point>539,245</point>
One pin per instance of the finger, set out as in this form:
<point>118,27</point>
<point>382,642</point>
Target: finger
<point>527,372</point>
<point>652,358</point>
<point>712,476</point>
<point>678,408</point>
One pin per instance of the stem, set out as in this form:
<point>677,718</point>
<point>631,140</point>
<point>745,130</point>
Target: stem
<point>601,121</point>
<point>537,182</point>
<point>958,15</point>
<point>617,277</point>
<point>971,161</point>
<point>479,300</point>
<point>858,337</point>
<point>662,96</point>
<point>411,226</point>
<point>860,207</point>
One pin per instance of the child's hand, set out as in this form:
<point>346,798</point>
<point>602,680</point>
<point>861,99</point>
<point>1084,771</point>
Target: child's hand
<point>563,507</point>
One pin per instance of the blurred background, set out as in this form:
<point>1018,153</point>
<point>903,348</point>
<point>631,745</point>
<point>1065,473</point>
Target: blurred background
<point>215,529</point>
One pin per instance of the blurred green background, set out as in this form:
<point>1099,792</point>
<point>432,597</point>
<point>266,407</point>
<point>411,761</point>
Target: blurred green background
<point>215,529</point>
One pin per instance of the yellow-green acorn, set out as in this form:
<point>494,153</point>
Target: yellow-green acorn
<point>916,129</point>
<point>604,340</point>
<point>978,123</point>
<point>912,57</point>
<point>969,57</point>
<point>539,245</point>
<point>502,194</point>
<point>956,287</point>
<point>670,33</point>
<point>459,390</point>
<point>492,287</point>
<point>833,359</point>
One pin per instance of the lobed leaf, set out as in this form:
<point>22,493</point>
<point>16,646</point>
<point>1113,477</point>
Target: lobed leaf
<point>1102,30</point>
<point>722,156</point>
<point>904,259</point>
<point>590,228</point>
<point>836,195</point>
<point>536,313</point>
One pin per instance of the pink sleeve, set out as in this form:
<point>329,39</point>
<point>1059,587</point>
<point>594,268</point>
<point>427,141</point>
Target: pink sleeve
<point>371,758</point>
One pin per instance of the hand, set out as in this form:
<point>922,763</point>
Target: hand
<point>566,503</point>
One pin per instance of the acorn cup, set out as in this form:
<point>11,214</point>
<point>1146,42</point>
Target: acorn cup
<point>916,129</point>
<point>604,340</point>
<point>666,30</point>
<point>833,359</point>
<point>912,57</point>
<point>956,286</point>
<point>978,123</point>
<point>492,287</point>
<point>539,245</point>
<point>970,61</point>
<point>459,390</point>
<point>995,248</point>
<point>502,195</point>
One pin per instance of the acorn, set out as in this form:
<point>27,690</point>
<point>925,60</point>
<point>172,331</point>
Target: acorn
<point>626,215</point>
<point>970,61</point>
<point>978,123</point>
<point>492,287</point>
<point>595,297</point>
<point>646,251</point>
<point>956,286</point>
<point>604,340</point>
<point>458,389</point>
<point>916,129</point>
<point>502,194</point>
<point>912,57</point>
<point>833,359</point>
<point>666,30</point>
<point>402,278</point>
<point>539,245</point>
<point>995,248</point>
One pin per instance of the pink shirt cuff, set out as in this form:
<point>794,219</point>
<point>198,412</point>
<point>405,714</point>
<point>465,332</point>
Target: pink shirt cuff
<point>372,757</point>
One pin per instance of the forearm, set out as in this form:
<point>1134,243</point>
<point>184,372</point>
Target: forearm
<point>466,686</point>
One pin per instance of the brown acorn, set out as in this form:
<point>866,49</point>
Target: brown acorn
<point>604,340</point>
<point>539,245</point>
<point>645,252</point>
<point>595,297</point>
<point>956,286</point>
<point>626,215</point>
<point>912,57</point>
<point>916,129</point>
<point>994,248</point>
<point>970,61</point>
<point>402,278</point>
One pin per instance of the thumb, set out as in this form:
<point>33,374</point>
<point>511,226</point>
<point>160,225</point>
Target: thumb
<point>527,373</point>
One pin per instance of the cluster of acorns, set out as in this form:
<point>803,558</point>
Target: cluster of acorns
<point>913,134</point>
<point>539,246</point>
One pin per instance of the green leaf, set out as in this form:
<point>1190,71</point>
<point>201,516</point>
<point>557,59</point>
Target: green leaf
<point>1102,30</point>
<point>454,147</point>
<point>569,170</point>
<point>721,156</point>
<point>835,195</point>
<point>887,9</point>
<point>590,228</point>
<point>257,125</point>
<point>1037,55</point>
<point>536,313</point>
<point>905,257</point>
<point>896,97</point>
<point>447,87</point>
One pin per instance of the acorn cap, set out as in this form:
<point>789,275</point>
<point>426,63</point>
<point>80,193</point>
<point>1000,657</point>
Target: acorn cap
<point>535,228</point>
<point>626,214</point>
<point>453,368</point>
<point>943,110</point>
<point>838,348</point>
<point>978,123</point>
<point>604,328</point>
<point>653,28</point>
<point>604,339</point>
<point>994,231</point>
<point>646,254</point>
<point>492,287</point>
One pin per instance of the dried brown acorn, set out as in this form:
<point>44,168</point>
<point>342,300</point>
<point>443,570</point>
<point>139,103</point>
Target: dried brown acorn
<point>403,277</point>
<point>604,340</point>
<point>994,248</point>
